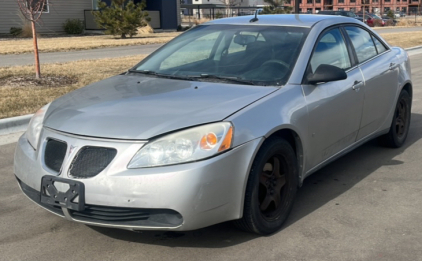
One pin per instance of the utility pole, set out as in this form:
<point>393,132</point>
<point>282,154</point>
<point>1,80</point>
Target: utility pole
<point>297,6</point>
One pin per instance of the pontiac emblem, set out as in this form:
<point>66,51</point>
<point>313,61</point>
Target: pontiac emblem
<point>71,149</point>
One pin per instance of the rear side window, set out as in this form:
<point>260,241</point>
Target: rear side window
<point>330,49</point>
<point>380,47</point>
<point>362,42</point>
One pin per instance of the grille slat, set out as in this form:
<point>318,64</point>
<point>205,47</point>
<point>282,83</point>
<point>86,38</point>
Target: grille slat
<point>54,154</point>
<point>125,214</point>
<point>119,215</point>
<point>90,161</point>
<point>107,218</point>
<point>111,210</point>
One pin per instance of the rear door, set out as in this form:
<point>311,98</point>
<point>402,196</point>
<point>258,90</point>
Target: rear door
<point>334,108</point>
<point>380,71</point>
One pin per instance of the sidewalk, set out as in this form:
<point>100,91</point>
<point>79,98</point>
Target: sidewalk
<point>61,57</point>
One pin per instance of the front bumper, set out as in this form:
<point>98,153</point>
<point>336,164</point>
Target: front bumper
<point>179,197</point>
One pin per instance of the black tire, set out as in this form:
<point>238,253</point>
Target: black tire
<point>264,212</point>
<point>399,129</point>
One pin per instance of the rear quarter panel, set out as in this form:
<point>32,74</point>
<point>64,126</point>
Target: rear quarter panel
<point>403,62</point>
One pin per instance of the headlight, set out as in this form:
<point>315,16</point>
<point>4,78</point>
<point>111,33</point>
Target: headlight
<point>35,126</point>
<point>185,146</point>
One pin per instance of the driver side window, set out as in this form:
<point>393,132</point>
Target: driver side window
<point>330,49</point>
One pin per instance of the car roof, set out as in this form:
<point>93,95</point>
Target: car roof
<point>298,20</point>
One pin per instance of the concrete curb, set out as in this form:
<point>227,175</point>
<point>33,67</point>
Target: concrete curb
<point>20,123</point>
<point>14,124</point>
<point>413,48</point>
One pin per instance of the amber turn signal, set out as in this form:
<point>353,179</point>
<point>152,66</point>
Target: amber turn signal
<point>227,142</point>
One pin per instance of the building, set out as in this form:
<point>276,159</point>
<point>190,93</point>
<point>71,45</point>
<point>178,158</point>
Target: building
<point>165,14</point>
<point>372,6</point>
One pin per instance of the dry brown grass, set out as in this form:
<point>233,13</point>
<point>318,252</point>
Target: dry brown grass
<point>26,31</point>
<point>60,44</point>
<point>197,21</point>
<point>145,29</point>
<point>404,40</point>
<point>15,101</point>
<point>405,23</point>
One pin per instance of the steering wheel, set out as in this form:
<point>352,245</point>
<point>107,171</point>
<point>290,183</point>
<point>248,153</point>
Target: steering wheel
<point>276,62</point>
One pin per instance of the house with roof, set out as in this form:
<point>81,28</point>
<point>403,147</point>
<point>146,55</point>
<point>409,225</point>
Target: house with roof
<point>165,14</point>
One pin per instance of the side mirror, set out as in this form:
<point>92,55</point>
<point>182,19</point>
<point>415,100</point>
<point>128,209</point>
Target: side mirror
<point>326,73</point>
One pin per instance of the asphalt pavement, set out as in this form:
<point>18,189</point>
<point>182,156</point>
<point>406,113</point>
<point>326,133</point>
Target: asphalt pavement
<point>113,52</point>
<point>365,206</point>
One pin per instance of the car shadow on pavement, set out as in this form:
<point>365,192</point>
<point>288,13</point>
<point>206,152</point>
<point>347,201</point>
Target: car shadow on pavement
<point>320,188</point>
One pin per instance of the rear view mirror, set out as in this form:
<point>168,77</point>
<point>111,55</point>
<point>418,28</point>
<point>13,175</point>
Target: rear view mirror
<point>242,39</point>
<point>326,73</point>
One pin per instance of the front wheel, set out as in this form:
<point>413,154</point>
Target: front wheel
<point>399,129</point>
<point>271,188</point>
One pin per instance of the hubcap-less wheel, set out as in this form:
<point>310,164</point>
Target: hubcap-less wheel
<point>272,182</point>
<point>271,188</point>
<point>402,115</point>
<point>401,121</point>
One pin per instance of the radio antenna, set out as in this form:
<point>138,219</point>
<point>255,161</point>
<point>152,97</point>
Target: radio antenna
<point>255,18</point>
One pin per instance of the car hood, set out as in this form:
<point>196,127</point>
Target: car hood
<point>141,107</point>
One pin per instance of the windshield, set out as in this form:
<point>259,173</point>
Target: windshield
<point>259,55</point>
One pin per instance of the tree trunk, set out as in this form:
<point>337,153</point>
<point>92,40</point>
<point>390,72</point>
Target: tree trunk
<point>37,58</point>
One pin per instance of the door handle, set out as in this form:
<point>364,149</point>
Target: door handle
<point>393,66</point>
<point>356,85</point>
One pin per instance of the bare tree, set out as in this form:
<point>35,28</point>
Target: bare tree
<point>32,11</point>
<point>229,4</point>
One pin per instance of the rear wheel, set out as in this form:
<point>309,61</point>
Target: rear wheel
<point>271,188</point>
<point>399,129</point>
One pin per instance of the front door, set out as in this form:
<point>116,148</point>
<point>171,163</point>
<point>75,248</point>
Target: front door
<point>334,108</point>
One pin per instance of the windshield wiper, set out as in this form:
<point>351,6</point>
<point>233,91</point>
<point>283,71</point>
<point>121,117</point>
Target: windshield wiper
<point>226,78</point>
<point>168,76</point>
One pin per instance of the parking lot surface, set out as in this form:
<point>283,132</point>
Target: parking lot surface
<point>365,206</point>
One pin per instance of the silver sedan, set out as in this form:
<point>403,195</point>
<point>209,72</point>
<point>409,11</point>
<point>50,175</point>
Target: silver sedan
<point>222,123</point>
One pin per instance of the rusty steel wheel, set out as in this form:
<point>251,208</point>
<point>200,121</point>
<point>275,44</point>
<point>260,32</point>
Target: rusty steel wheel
<point>271,188</point>
<point>399,129</point>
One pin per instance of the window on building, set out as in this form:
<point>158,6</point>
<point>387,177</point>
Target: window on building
<point>318,1</point>
<point>309,1</point>
<point>35,4</point>
<point>341,1</point>
<point>94,4</point>
<point>352,1</point>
